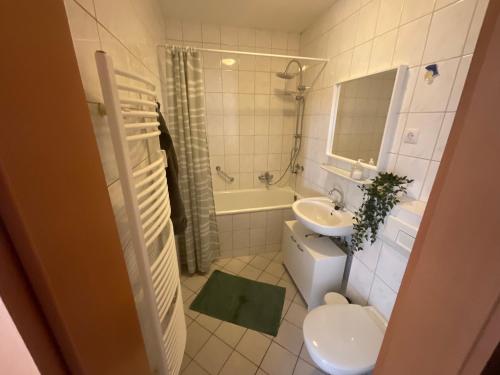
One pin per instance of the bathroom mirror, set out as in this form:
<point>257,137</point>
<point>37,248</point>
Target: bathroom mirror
<point>364,117</point>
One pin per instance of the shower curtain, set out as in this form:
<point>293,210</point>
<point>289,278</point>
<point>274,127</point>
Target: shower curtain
<point>183,93</point>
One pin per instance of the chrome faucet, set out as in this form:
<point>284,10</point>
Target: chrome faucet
<point>266,178</point>
<point>338,203</point>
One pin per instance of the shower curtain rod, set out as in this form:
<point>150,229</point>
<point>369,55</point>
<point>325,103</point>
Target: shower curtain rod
<point>252,53</point>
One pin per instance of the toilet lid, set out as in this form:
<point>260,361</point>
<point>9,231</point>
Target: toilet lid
<point>342,338</point>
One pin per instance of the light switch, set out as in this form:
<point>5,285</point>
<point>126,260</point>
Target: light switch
<point>411,135</point>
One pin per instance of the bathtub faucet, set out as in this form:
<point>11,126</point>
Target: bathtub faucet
<point>266,178</point>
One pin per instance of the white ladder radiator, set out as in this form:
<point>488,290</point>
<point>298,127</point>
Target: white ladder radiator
<point>130,103</point>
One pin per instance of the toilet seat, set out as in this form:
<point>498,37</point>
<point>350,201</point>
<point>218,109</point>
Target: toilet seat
<point>343,339</point>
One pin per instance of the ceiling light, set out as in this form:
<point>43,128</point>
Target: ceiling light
<point>228,62</point>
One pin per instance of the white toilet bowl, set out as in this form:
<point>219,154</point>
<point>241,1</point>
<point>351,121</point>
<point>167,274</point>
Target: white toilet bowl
<point>344,339</point>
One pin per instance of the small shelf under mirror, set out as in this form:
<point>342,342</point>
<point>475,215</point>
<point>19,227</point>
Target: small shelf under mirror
<point>344,174</point>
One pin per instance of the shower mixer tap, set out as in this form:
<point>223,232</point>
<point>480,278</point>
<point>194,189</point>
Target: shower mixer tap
<point>266,178</point>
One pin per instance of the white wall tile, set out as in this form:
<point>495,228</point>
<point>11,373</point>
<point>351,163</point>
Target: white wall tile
<point>411,42</point>
<point>191,31</point>
<point>224,223</point>
<point>263,38</point>
<point>213,80</point>
<point>361,59</point>
<point>429,181</point>
<point>391,266</point>
<point>229,36</point>
<point>389,15</point>
<point>453,20</point>
<point>382,298</point>
<point>173,29</point>
<point>369,256</point>
<point>428,125</point>
<point>210,33</point>
<point>413,9</point>
<point>475,27</point>
<point>367,21</point>
<point>246,37</point>
<point>434,97</point>
<point>359,283</point>
<point>458,87</point>
<point>443,136</point>
<point>415,169</point>
<point>382,51</point>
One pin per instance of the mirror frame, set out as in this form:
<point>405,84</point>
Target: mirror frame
<point>391,121</point>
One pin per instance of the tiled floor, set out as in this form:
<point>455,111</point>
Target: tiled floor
<point>217,347</point>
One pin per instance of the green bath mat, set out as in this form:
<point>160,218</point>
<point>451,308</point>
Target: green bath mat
<point>248,303</point>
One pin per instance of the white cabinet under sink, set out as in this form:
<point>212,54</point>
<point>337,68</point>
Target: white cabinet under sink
<point>316,265</point>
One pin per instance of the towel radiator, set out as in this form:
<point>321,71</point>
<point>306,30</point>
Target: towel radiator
<point>130,102</point>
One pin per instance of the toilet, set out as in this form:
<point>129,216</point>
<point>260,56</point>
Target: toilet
<point>342,338</point>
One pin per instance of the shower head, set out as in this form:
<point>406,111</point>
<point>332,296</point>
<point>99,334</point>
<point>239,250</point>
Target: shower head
<point>286,75</point>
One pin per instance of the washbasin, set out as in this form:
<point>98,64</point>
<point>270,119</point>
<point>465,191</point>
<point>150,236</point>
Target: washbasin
<point>318,214</point>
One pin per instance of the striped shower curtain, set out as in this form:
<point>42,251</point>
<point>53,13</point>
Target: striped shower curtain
<point>183,94</point>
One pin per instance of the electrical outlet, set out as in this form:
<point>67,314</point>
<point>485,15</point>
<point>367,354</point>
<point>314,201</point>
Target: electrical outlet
<point>411,135</point>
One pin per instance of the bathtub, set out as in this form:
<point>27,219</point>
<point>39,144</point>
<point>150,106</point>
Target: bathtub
<point>250,221</point>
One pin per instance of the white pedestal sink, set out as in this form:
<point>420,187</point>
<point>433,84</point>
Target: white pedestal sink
<point>319,215</point>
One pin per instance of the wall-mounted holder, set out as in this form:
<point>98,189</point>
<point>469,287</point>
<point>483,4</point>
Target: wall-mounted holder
<point>223,174</point>
<point>431,73</point>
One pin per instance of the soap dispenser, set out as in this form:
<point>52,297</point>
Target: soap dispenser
<point>357,170</point>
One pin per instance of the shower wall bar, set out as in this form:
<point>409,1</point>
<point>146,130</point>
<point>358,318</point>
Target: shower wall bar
<point>132,117</point>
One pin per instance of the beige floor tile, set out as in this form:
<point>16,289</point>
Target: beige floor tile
<point>270,255</point>
<point>221,262</point>
<point>304,368</point>
<point>291,290</point>
<point>253,345</point>
<point>278,361</point>
<point>245,258</point>
<point>290,337</point>
<point>213,267</point>
<point>279,257</point>
<point>250,272</point>
<point>197,336</point>
<point>194,369</point>
<point>188,320</point>
<point>286,305</point>
<point>286,277</point>
<point>275,269</point>
<point>230,333</point>
<point>296,314</point>
<point>186,293</point>
<point>186,360</point>
<point>299,300</point>
<point>195,283</point>
<point>213,355</point>
<point>191,313</point>
<point>208,322</point>
<point>238,365</point>
<point>235,266</point>
<point>304,354</point>
<point>260,372</point>
<point>267,278</point>
<point>260,262</point>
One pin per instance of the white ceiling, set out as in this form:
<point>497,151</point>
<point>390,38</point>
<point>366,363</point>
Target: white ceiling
<point>284,15</point>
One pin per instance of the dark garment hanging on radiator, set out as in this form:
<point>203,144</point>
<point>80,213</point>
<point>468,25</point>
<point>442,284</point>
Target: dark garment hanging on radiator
<point>178,214</point>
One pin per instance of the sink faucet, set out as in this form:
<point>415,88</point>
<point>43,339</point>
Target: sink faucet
<point>338,203</point>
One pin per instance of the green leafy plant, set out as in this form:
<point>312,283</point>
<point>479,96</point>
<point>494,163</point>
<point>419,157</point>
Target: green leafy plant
<point>379,198</point>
